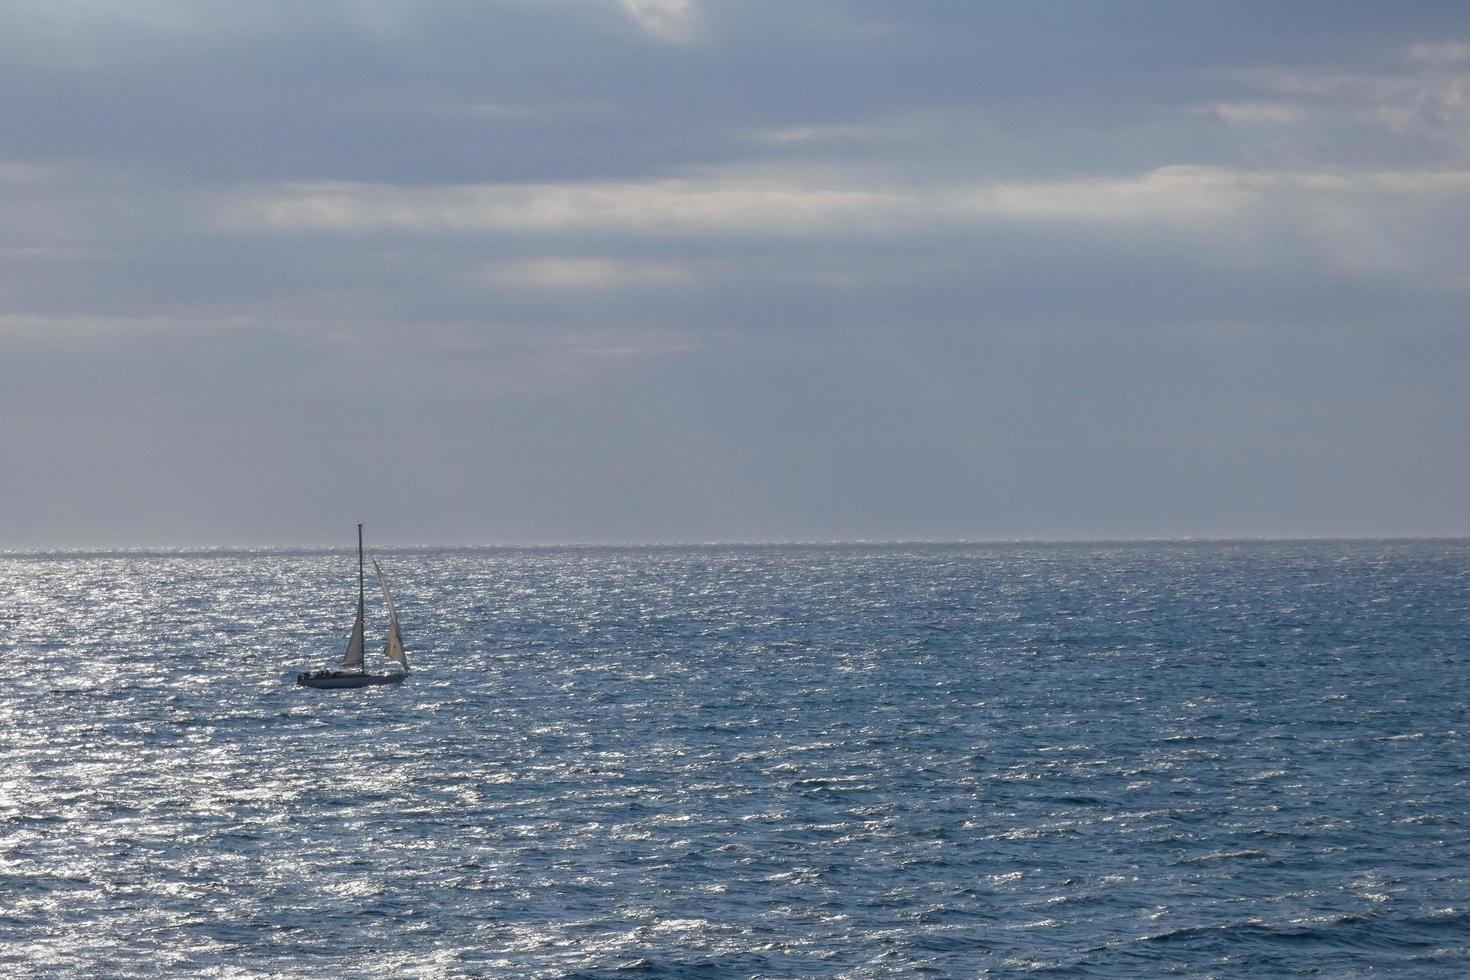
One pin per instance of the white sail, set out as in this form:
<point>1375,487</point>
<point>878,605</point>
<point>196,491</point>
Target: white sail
<point>393,649</point>
<point>353,657</point>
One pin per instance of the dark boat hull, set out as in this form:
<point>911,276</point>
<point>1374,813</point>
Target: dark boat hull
<point>342,679</point>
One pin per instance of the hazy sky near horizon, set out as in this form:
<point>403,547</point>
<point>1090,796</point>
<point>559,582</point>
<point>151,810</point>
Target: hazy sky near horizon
<point>516,271</point>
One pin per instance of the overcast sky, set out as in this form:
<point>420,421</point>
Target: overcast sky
<point>509,271</point>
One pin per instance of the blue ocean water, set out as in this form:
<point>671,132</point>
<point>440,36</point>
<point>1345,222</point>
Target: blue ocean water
<point>1074,760</point>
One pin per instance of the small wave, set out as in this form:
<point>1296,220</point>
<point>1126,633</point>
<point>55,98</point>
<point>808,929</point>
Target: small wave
<point>1349,931</point>
<point>1245,855</point>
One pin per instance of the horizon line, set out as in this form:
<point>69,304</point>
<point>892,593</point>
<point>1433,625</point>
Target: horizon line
<point>206,550</point>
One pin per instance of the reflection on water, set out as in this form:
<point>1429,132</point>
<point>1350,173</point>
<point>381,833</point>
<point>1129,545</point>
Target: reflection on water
<point>1102,760</point>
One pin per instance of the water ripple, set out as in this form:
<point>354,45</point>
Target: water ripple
<point>1224,759</point>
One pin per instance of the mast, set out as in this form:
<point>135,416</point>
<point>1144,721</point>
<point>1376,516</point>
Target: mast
<point>362,667</point>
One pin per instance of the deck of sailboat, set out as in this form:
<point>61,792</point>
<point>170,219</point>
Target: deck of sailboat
<point>340,679</point>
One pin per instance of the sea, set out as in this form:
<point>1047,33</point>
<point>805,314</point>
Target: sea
<point>1077,760</point>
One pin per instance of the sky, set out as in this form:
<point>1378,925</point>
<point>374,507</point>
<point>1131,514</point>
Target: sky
<point>620,271</point>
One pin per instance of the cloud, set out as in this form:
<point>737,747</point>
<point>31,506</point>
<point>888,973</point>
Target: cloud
<point>1440,52</point>
<point>580,273</point>
<point>1429,97</point>
<point>603,345</point>
<point>763,241</point>
<point>1252,113</point>
<point>656,207</point>
<point>21,172</point>
<point>66,329</point>
<point>954,250</point>
<point>724,204</point>
<point>671,20</point>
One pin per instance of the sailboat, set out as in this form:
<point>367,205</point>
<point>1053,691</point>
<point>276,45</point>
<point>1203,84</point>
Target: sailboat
<point>392,649</point>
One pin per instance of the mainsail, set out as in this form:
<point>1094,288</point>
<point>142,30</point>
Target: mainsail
<point>393,649</point>
<point>354,644</point>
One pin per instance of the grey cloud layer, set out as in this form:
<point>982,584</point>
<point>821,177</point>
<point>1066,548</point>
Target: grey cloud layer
<point>673,270</point>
